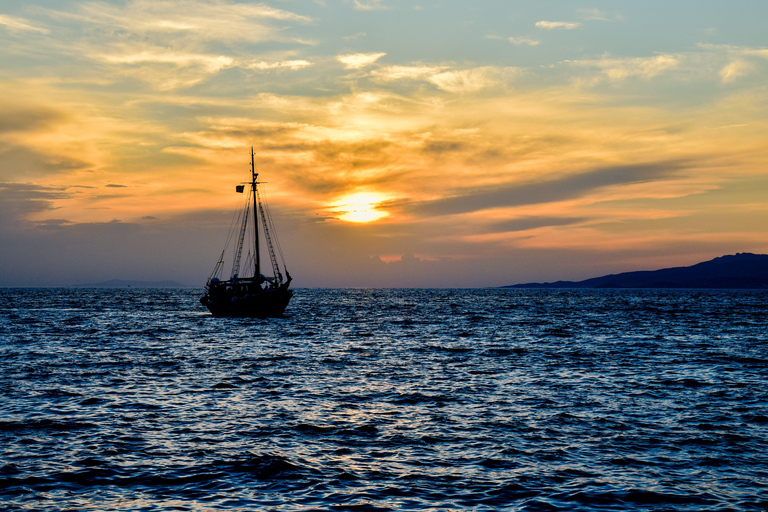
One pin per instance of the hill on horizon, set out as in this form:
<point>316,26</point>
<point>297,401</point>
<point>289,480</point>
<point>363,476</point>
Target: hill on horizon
<point>738,271</point>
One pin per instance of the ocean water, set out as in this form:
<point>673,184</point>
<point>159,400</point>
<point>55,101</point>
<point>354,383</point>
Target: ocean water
<point>530,400</point>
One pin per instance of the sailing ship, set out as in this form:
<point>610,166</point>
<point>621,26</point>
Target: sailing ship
<point>252,294</point>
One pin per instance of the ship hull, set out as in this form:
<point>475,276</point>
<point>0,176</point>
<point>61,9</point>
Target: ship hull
<point>257,296</point>
<point>264,304</point>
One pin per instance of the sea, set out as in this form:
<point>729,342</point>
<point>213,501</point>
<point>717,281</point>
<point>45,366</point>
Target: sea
<point>385,399</point>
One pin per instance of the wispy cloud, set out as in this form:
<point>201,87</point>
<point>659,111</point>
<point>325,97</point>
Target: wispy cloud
<point>21,118</point>
<point>568,187</point>
<point>19,200</point>
<point>450,80</point>
<point>290,64</point>
<point>353,37</point>
<point>359,60</point>
<point>742,60</point>
<point>210,21</point>
<point>20,162</point>
<point>598,15</point>
<point>616,68</point>
<point>167,69</point>
<point>173,44</point>
<point>369,5</point>
<point>467,80</point>
<point>737,50</point>
<point>736,69</point>
<point>210,63</point>
<point>417,72</point>
<point>519,41</point>
<point>551,25</point>
<point>527,223</point>
<point>20,25</point>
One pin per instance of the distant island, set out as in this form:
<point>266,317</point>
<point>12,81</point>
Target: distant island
<point>120,283</point>
<point>738,271</point>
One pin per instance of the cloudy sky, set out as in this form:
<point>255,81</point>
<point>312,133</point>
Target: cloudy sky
<point>434,143</point>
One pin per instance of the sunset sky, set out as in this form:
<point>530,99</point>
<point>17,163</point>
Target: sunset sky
<point>435,143</point>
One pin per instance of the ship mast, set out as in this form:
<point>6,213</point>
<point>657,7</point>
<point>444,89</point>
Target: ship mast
<point>254,175</point>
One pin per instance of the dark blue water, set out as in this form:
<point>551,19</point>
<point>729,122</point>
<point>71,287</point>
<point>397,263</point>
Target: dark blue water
<point>363,400</point>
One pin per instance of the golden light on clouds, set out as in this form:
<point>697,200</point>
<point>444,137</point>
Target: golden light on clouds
<point>360,207</point>
<point>565,25</point>
<point>359,60</point>
<point>454,141</point>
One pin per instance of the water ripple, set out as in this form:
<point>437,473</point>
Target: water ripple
<point>528,400</point>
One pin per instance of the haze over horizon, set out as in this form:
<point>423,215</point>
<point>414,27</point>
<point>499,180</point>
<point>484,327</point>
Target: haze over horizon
<point>431,144</point>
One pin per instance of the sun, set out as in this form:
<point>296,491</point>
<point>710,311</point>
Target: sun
<point>360,207</point>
